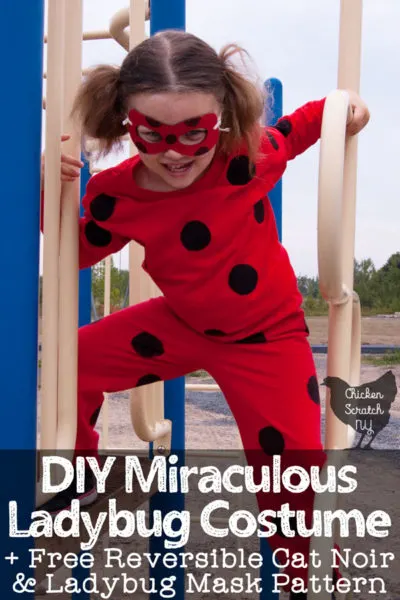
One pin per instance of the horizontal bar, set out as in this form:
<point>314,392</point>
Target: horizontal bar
<point>202,387</point>
<point>92,35</point>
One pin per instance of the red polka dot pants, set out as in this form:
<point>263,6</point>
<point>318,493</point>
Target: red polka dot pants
<point>270,386</point>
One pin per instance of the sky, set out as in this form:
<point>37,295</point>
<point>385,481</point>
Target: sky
<point>297,42</point>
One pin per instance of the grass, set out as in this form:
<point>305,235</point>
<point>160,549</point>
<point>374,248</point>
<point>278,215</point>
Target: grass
<point>387,359</point>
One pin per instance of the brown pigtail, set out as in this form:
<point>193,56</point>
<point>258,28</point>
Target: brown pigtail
<point>243,106</point>
<point>99,107</point>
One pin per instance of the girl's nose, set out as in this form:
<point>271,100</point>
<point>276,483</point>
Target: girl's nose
<point>173,155</point>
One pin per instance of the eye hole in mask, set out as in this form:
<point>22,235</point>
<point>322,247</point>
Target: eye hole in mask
<point>195,136</point>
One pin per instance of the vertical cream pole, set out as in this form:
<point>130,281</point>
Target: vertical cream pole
<point>69,239</point>
<point>341,316</point>
<point>105,408</point>
<point>51,242</point>
<point>137,33</point>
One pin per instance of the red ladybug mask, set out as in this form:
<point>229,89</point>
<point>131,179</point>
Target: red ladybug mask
<point>192,137</point>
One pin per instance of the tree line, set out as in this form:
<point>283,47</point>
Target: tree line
<point>378,289</point>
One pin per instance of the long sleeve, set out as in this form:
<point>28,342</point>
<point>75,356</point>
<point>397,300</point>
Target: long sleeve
<point>96,241</point>
<point>302,129</point>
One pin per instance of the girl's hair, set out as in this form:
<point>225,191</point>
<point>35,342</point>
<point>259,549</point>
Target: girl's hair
<point>171,61</point>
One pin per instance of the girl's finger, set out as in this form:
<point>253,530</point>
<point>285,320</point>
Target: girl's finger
<point>70,160</point>
<point>69,171</point>
<point>65,137</point>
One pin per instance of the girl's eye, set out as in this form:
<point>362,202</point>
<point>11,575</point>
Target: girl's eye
<point>149,136</point>
<point>193,137</point>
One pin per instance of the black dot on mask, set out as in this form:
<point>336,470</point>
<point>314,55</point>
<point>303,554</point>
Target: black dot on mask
<point>141,147</point>
<point>147,345</point>
<point>284,126</point>
<point>273,141</point>
<point>259,211</point>
<point>102,207</point>
<point>271,441</point>
<point>201,151</point>
<point>214,332</point>
<point>153,122</point>
<point>147,379</point>
<point>313,389</point>
<point>243,279</point>
<point>170,139</point>
<point>96,235</point>
<point>240,171</point>
<point>254,338</point>
<point>195,236</point>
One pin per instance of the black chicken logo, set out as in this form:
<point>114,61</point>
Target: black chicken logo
<point>366,408</point>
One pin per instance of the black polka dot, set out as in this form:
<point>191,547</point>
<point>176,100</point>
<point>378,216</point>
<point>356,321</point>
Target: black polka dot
<point>254,338</point>
<point>153,122</point>
<point>195,236</point>
<point>284,126</point>
<point>243,279</point>
<point>259,211</point>
<point>170,139</point>
<point>147,345</point>
<point>102,207</point>
<point>141,147</point>
<point>202,150</point>
<point>292,523</point>
<point>96,235</point>
<point>306,328</point>
<point>214,332</point>
<point>192,122</point>
<point>271,441</point>
<point>240,171</point>
<point>273,141</point>
<point>147,379</point>
<point>313,389</point>
<point>95,416</point>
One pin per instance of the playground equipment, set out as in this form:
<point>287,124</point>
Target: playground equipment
<point>60,294</point>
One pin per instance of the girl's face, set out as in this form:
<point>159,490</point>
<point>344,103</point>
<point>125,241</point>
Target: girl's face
<point>170,170</point>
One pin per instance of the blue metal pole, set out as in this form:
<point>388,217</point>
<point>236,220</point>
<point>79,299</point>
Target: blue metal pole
<point>21,111</point>
<point>273,113</point>
<point>85,276</point>
<point>170,15</point>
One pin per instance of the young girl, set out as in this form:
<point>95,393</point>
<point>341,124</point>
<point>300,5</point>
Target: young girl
<point>195,197</point>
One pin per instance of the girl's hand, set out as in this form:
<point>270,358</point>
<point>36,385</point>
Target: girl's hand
<point>70,166</point>
<point>358,115</point>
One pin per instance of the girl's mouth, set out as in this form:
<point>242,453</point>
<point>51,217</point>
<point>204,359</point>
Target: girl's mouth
<point>178,170</point>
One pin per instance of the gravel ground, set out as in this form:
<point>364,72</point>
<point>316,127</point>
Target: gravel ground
<point>210,424</point>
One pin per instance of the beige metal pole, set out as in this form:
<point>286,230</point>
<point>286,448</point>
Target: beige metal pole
<point>341,316</point>
<point>105,409</point>
<point>51,243</point>
<point>92,35</point>
<point>344,336</point>
<point>118,24</point>
<point>69,240</point>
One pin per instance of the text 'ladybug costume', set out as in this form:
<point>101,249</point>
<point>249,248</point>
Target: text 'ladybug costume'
<point>230,301</point>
